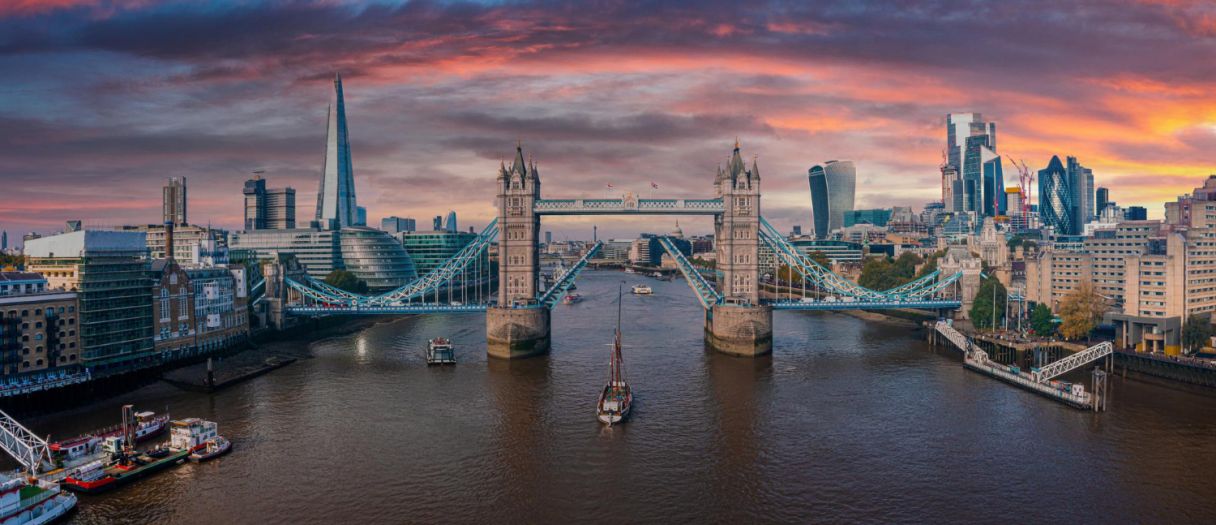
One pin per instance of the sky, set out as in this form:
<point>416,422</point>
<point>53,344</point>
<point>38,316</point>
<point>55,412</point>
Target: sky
<point>102,100</point>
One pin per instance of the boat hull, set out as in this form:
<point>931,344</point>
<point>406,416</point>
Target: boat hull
<point>202,455</point>
<point>112,481</point>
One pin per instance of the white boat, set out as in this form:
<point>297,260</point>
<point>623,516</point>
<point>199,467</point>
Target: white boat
<point>616,399</point>
<point>629,270</point>
<point>211,449</point>
<point>641,289</point>
<point>26,501</point>
<point>439,351</point>
<point>191,434</point>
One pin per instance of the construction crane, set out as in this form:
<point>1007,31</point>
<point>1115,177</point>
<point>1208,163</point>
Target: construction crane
<point>1025,182</point>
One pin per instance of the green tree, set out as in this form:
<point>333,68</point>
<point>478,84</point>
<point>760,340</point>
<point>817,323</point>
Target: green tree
<point>930,264</point>
<point>1042,321</point>
<point>1197,332</point>
<point>887,273</point>
<point>788,275</point>
<point>983,308</point>
<point>1080,311</point>
<point>821,258</point>
<point>345,280</point>
<point>15,261</point>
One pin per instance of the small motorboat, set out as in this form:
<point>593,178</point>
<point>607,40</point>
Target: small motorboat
<point>641,289</point>
<point>211,449</point>
<point>617,398</point>
<point>439,351</point>
<point>572,298</point>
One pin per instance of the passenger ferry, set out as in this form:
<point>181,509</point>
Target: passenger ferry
<point>439,351</point>
<point>641,289</point>
<point>25,501</point>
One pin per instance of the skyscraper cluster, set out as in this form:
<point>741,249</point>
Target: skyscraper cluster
<point>972,176</point>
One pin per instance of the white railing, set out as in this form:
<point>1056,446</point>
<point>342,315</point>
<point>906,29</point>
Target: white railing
<point>1073,362</point>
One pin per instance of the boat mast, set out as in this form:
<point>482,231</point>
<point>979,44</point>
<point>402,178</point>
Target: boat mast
<point>618,375</point>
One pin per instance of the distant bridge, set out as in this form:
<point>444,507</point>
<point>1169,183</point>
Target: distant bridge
<point>738,320</point>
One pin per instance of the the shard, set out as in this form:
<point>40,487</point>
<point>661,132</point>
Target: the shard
<point>336,208</point>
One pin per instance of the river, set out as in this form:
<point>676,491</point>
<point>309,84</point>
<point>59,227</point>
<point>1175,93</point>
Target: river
<point>847,421</point>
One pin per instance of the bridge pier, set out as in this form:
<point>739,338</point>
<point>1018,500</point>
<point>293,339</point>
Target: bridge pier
<point>515,333</point>
<point>739,330</point>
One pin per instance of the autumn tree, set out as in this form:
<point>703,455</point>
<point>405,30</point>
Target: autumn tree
<point>1080,311</point>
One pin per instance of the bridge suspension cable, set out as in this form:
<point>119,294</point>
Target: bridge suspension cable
<point>559,288</point>
<point>705,291</point>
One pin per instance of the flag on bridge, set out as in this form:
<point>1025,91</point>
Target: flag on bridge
<point>609,186</point>
<point>653,185</point>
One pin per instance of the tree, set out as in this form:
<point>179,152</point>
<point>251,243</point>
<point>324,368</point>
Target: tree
<point>1197,332</point>
<point>1080,311</point>
<point>821,258</point>
<point>885,273</point>
<point>345,280</point>
<point>1042,321</point>
<point>983,309</point>
<point>788,275</point>
<point>930,265</point>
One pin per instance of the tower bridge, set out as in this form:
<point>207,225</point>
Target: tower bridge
<point>737,320</point>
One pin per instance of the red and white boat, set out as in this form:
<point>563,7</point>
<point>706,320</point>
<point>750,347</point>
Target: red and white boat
<point>87,447</point>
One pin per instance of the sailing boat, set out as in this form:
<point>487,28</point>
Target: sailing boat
<point>617,398</point>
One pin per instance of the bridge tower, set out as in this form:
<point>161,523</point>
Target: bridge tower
<point>741,325</point>
<point>513,332</point>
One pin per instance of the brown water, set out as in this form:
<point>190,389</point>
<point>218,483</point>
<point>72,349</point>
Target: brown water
<point>847,421</point>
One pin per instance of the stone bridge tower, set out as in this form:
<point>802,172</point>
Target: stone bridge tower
<point>513,332</point>
<point>741,326</point>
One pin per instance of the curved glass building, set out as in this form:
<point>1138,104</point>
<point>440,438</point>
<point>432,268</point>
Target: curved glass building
<point>377,258</point>
<point>833,188</point>
<point>1055,198</point>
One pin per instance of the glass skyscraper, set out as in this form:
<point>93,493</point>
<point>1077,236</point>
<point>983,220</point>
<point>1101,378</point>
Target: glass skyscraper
<point>336,207</point>
<point>971,152</point>
<point>337,240</point>
<point>1056,198</point>
<point>833,189</point>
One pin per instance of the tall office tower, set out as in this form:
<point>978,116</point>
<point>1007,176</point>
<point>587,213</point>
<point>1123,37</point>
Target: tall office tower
<point>3,240</point>
<point>255,203</point>
<point>833,188</point>
<point>451,222</point>
<point>396,224</point>
<point>1056,199</point>
<point>1080,180</point>
<point>173,201</point>
<point>949,183</point>
<point>1090,204</point>
<point>548,238</point>
<point>970,145</point>
<point>336,207</point>
<point>1103,199</point>
<point>268,209</point>
<point>437,223</point>
<point>280,208</point>
<point>360,216</point>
